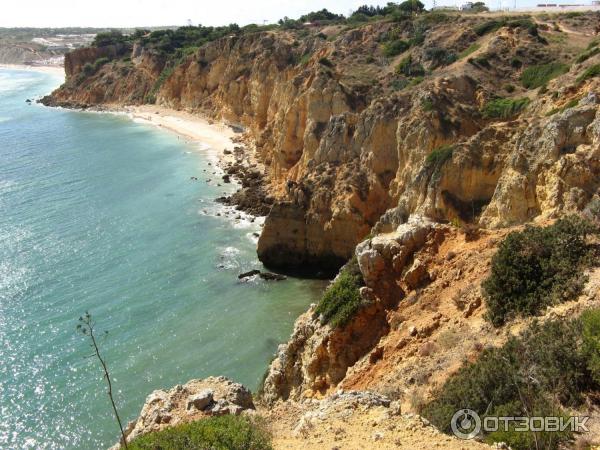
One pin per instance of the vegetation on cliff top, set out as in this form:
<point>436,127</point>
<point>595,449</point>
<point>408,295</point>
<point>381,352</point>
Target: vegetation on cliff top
<point>549,367</point>
<point>538,267</point>
<point>218,433</point>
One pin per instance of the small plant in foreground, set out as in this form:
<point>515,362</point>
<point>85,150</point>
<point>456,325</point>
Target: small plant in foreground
<point>86,327</point>
<point>538,267</point>
<point>215,433</point>
<point>538,373</point>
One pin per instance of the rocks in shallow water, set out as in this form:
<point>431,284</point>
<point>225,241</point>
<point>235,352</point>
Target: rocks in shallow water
<point>264,275</point>
<point>248,274</point>
<point>272,276</point>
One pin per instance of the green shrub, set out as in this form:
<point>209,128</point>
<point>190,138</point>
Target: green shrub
<point>88,69</point>
<point>591,342</point>
<point>395,47</point>
<point>587,54</point>
<point>326,62</point>
<point>109,38</point>
<point>536,76</point>
<point>342,300</point>
<point>411,6</point>
<point>216,433</point>
<point>409,68</point>
<point>504,108</point>
<point>439,56</point>
<point>487,27</point>
<point>590,72</point>
<point>470,49</point>
<point>166,73</point>
<point>439,156</point>
<point>493,25</point>
<point>536,268</point>
<point>427,104</point>
<point>537,373</point>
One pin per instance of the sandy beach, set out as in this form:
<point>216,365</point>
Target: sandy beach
<point>217,135</point>
<point>54,70</point>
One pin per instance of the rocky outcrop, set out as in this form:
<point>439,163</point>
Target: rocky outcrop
<point>212,396</point>
<point>77,59</point>
<point>317,356</point>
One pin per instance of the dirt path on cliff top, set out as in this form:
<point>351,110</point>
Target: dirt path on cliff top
<point>355,427</point>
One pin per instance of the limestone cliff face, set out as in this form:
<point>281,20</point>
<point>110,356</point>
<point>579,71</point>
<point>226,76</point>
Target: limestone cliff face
<point>342,144</point>
<point>317,356</point>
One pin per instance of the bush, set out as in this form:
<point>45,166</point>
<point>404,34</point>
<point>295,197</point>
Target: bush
<point>470,49</point>
<point>487,27</point>
<point>321,16</point>
<point>342,300</point>
<point>409,68</point>
<point>493,25</point>
<point>591,342</point>
<point>411,6</point>
<point>587,54</point>
<point>504,108</point>
<point>536,76</point>
<point>109,38</point>
<point>395,47</point>
<point>218,433</point>
<point>536,373</point>
<point>439,56</point>
<point>590,72</point>
<point>439,156</point>
<point>536,268</point>
<point>326,62</point>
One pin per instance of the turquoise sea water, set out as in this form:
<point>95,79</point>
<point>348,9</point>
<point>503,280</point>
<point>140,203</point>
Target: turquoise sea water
<point>98,213</point>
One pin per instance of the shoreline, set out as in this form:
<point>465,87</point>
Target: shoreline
<point>53,70</point>
<point>216,135</point>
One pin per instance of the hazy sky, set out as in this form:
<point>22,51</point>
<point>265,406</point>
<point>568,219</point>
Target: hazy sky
<point>131,13</point>
<point>127,13</point>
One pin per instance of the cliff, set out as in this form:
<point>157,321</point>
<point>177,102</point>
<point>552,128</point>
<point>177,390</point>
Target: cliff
<point>414,145</point>
<point>343,141</point>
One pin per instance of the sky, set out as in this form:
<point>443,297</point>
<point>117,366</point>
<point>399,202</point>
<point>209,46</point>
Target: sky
<point>132,13</point>
<point>138,13</point>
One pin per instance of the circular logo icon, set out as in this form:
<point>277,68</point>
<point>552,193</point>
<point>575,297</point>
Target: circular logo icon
<point>465,424</point>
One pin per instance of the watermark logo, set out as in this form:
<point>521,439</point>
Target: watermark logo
<point>466,424</point>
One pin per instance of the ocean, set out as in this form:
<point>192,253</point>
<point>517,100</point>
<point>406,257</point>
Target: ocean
<point>99,213</point>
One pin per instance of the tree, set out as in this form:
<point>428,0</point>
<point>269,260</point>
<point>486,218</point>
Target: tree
<point>109,38</point>
<point>479,7</point>
<point>323,15</point>
<point>413,6</point>
<point>86,327</point>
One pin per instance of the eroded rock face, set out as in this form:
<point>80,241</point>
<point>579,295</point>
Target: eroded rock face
<point>192,401</point>
<point>340,151</point>
<point>317,356</point>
